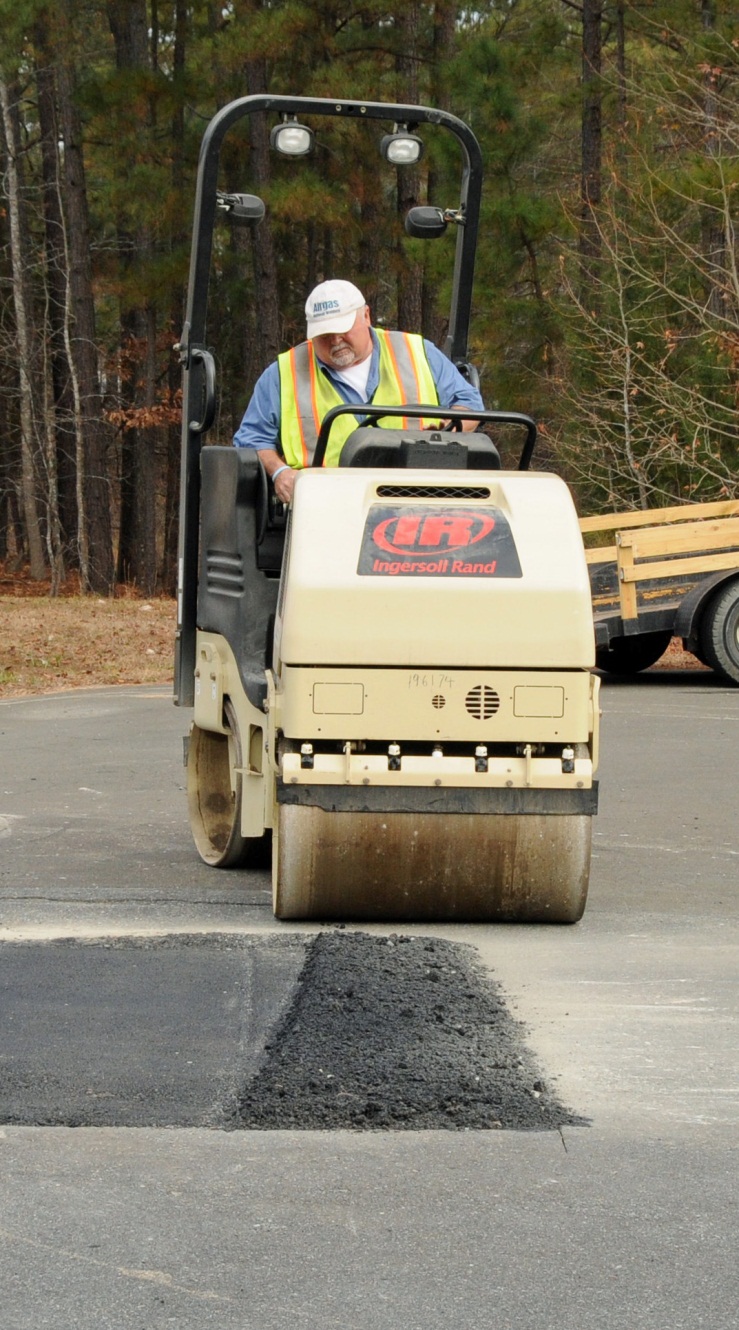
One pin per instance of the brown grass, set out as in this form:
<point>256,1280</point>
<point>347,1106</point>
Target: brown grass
<point>49,644</point>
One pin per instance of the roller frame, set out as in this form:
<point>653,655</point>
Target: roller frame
<point>478,852</point>
<point>433,837</point>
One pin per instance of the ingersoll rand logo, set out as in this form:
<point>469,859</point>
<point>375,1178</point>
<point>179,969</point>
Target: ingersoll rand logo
<point>432,533</point>
<point>435,541</point>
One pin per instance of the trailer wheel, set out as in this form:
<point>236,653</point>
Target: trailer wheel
<point>214,795</point>
<point>719,632</point>
<point>628,655</point>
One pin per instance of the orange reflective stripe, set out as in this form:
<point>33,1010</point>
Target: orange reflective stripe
<point>313,395</point>
<point>412,358</point>
<point>294,377</point>
<point>422,424</point>
<point>402,397</point>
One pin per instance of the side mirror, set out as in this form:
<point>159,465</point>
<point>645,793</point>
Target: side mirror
<point>425,223</point>
<point>469,372</point>
<point>242,207</point>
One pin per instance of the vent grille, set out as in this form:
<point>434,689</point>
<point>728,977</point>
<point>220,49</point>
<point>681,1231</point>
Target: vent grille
<point>482,702</point>
<point>433,492</point>
<point>224,573</point>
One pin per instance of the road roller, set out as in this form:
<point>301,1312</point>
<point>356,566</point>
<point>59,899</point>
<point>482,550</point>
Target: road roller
<point>391,682</point>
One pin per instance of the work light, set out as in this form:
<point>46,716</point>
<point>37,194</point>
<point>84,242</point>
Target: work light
<point>291,138</point>
<point>402,148</point>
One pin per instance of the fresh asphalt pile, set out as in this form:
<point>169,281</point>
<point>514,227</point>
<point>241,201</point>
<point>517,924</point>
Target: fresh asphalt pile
<point>396,1032</point>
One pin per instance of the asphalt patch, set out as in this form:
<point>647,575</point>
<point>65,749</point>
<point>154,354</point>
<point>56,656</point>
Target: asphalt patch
<point>138,1032</point>
<point>402,1033</point>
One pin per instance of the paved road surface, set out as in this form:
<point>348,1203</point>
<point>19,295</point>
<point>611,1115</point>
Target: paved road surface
<point>632,1016</point>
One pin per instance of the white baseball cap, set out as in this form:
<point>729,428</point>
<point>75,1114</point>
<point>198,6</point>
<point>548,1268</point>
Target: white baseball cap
<point>332,307</point>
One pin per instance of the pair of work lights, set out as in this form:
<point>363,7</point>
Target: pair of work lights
<point>401,148</point>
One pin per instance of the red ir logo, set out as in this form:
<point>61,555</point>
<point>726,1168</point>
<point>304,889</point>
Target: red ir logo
<point>432,533</point>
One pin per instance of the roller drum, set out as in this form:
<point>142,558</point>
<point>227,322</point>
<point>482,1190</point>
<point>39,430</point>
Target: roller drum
<point>532,868</point>
<point>215,794</point>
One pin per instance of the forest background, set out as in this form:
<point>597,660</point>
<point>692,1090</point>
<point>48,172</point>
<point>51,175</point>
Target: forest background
<point>607,291</point>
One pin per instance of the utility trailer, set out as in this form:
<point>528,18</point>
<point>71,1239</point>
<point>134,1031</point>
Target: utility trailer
<point>664,573</point>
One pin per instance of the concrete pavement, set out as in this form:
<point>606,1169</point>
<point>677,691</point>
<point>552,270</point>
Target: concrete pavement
<point>627,1223</point>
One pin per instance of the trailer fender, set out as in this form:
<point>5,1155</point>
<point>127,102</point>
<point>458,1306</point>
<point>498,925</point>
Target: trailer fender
<point>690,612</point>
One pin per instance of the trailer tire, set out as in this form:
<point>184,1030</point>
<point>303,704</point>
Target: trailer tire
<point>719,632</point>
<point>629,655</point>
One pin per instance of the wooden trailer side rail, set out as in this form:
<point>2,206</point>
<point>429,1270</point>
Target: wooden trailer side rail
<point>647,544</point>
<point>685,512</point>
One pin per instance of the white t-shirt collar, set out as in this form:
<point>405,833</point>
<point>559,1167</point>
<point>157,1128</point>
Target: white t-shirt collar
<point>356,376</point>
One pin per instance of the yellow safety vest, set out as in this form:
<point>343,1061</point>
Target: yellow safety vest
<point>307,395</point>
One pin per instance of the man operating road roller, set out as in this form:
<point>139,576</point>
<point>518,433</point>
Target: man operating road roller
<point>344,360</point>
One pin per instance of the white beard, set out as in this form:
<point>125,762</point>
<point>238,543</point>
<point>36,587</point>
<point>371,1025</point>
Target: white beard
<point>342,357</point>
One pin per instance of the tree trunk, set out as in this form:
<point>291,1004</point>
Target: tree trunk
<point>622,105</point>
<point>23,325</point>
<point>713,239</point>
<point>435,326</point>
<point>13,544</point>
<point>176,308</point>
<point>410,271</point>
<point>93,487</point>
<point>592,143</point>
<point>137,543</point>
<point>60,399</point>
<point>264,340</point>
<point>5,491</point>
<point>371,265</point>
<point>62,444</point>
<point>54,544</point>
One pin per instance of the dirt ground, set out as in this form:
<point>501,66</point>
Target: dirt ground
<point>49,644</point>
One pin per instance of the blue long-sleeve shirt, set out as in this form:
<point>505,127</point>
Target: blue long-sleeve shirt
<point>260,427</point>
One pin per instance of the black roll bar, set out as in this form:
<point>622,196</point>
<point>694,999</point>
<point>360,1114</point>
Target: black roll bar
<point>369,412</point>
<point>198,387</point>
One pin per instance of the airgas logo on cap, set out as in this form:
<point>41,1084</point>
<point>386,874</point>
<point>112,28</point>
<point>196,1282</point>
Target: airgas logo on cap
<point>435,541</point>
<point>325,307</point>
